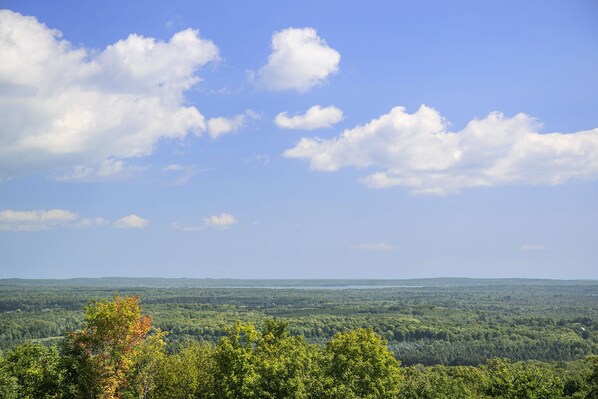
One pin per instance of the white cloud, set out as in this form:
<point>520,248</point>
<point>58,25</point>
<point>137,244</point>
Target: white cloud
<point>221,125</point>
<point>300,60</point>
<point>58,215</point>
<point>65,107</point>
<point>108,169</point>
<point>224,220</point>
<point>131,222</point>
<point>532,247</point>
<point>173,168</point>
<point>182,227</point>
<point>36,220</point>
<point>10,216</point>
<point>375,247</point>
<point>315,117</point>
<point>418,152</point>
<point>88,222</point>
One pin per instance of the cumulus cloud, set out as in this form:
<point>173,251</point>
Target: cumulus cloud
<point>374,247</point>
<point>532,247</point>
<point>36,220</point>
<point>300,60</point>
<point>316,117</point>
<point>417,151</point>
<point>224,220</point>
<point>65,107</point>
<point>131,222</point>
<point>222,125</point>
<point>58,215</point>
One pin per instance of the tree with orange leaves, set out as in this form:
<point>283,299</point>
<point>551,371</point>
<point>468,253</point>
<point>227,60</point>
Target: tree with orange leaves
<point>103,355</point>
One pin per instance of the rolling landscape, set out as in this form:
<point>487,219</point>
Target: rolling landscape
<point>338,199</point>
<point>445,334</point>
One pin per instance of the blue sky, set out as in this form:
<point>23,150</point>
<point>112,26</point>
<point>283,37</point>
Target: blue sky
<point>336,139</point>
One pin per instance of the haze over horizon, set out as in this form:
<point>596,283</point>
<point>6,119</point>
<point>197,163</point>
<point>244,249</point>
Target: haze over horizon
<point>337,140</point>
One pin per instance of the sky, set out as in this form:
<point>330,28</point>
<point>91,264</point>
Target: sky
<point>287,139</point>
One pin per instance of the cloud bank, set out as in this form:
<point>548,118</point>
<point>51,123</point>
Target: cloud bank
<point>300,60</point>
<point>131,222</point>
<point>316,117</point>
<point>37,220</point>
<point>64,107</point>
<point>224,220</point>
<point>417,151</point>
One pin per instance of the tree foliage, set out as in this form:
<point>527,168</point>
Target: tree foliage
<point>118,355</point>
<point>110,349</point>
<point>358,364</point>
<point>32,368</point>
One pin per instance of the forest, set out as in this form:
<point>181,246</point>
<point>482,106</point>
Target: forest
<point>443,338</point>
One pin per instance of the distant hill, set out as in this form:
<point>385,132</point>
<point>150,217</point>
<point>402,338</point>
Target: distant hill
<point>131,282</point>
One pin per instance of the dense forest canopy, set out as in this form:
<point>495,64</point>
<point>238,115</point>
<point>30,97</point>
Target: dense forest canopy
<point>459,324</point>
<point>440,341</point>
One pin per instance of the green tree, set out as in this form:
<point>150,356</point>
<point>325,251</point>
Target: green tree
<point>145,365</point>
<point>9,386</point>
<point>270,364</point>
<point>188,374</point>
<point>521,381</point>
<point>593,378</point>
<point>235,374</point>
<point>440,382</point>
<point>358,364</point>
<point>35,370</point>
<point>282,363</point>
